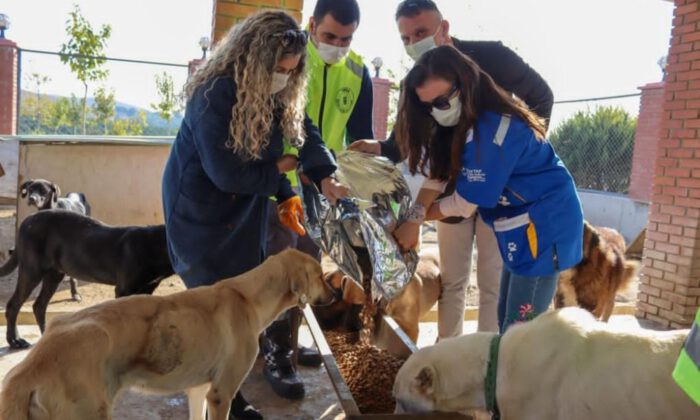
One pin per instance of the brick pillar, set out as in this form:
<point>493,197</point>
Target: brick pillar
<point>229,12</point>
<point>670,282</point>
<point>380,108</point>
<point>646,141</point>
<point>8,87</point>
<point>193,65</point>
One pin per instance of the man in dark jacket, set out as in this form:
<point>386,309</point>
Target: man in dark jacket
<point>422,27</point>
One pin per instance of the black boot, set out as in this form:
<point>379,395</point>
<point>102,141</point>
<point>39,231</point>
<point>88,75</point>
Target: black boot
<point>279,370</point>
<point>306,356</point>
<point>241,409</point>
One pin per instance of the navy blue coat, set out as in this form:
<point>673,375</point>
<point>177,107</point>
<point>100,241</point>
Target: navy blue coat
<point>215,203</point>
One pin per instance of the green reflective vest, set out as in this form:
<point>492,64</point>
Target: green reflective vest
<point>687,371</point>
<point>331,94</point>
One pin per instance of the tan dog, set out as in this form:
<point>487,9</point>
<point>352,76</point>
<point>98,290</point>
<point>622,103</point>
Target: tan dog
<point>601,274</point>
<point>414,301</point>
<point>562,365</point>
<point>203,340</point>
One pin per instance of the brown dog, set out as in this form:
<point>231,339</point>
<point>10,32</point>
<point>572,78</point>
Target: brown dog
<point>603,271</point>
<point>203,340</point>
<point>414,301</point>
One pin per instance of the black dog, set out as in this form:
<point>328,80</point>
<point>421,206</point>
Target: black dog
<point>52,243</point>
<point>45,195</point>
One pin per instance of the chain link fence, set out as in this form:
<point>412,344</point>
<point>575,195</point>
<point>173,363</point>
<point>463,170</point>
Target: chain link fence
<point>137,98</point>
<point>595,140</point>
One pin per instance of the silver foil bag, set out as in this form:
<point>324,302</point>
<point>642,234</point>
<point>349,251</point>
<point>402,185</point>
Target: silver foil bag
<point>359,227</point>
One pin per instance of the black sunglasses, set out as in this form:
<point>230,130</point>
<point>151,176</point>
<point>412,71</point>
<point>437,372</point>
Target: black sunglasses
<point>292,36</point>
<point>442,102</point>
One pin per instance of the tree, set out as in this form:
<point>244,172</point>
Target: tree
<point>597,148</point>
<point>169,101</point>
<point>104,108</point>
<point>84,52</point>
<point>130,126</point>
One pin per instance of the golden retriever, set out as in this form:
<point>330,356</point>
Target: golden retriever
<point>203,340</point>
<point>562,365</point>
<point>601,274</point>
<point>407,308</point>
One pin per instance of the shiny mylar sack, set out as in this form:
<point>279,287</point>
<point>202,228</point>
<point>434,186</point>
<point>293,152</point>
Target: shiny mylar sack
<point>358,228</point>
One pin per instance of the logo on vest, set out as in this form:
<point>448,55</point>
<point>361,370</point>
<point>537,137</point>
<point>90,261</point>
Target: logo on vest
<point>344,100</point>
<point>474,175</point>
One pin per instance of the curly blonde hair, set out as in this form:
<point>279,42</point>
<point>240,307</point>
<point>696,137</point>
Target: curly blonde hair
<point>249,53</point>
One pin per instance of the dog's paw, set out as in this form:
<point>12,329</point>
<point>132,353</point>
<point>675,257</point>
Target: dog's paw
<point>19,343</point>
<point>76,297</point>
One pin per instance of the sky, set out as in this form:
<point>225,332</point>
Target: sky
<point>582,48</point>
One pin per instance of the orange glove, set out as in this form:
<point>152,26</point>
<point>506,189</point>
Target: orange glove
<point>291,214</point>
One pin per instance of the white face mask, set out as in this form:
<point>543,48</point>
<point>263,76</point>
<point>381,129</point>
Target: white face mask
<point>416,50</point>
<point>279,82</point>
<point>448,117</point>
<point>330,54</point>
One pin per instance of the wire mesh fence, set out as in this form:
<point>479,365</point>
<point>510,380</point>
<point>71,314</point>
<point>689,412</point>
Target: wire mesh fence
<point>594,137</point>
<point>595,140</point>
<point>136,97</point>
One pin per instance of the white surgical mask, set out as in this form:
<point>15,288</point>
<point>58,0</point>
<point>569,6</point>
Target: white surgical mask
<point>279,82</point>
<point>416,50</point>
<point>448,117</point>
<point>330,54</point>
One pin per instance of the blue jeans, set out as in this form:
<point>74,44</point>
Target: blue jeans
<point>522,298</point>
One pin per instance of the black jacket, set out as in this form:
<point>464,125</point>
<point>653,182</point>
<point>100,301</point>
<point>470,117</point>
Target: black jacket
<point>508,70</point>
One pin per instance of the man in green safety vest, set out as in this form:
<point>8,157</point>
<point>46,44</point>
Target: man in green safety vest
<point>339,95</point>
<point>687,371</point>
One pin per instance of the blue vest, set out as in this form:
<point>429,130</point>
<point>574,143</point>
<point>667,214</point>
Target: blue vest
<point>525,193</point>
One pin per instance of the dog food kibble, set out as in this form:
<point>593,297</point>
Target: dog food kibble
<point>368,370</point>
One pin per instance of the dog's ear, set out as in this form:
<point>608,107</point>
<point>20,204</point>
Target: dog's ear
<point>56,192</point>
<point>23,188</point>
<point>426,381</point>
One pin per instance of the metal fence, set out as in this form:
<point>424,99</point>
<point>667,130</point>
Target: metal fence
<point>595,140</point>
<point>126,102</point>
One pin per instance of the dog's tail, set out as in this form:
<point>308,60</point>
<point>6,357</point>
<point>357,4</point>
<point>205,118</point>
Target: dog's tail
<point>83,199</point>
<point>10,265</point>
<point>631,267</point>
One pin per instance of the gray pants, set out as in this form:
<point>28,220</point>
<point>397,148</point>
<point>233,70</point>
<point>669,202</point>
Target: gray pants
<point>456,242</point>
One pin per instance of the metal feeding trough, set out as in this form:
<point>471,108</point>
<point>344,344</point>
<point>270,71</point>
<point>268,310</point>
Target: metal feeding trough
<point>389,336</point>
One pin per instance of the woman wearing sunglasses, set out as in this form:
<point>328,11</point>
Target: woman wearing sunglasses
<point>456,123</point>
<point>228,159</point>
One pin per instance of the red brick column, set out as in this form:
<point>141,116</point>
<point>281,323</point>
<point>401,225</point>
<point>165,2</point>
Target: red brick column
<point>8,87</point>
<point>229,12</point>
<point>193,65</point>
<point>646,141</point>
<point>380,113</point>
<point>670,282</point>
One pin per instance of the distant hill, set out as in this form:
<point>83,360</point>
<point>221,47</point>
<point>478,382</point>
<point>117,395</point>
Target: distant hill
<point>155,124</point>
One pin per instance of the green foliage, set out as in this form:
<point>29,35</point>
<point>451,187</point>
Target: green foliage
<point>84,52</point>
<point>130,126</point>
<point>169,101</point>
<point>104,109</point>
<point>597,148</point>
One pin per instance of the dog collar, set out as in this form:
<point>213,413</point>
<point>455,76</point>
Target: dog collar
<point>490,380</point>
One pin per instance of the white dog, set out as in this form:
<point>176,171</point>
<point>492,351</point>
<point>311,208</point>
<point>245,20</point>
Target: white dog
<point>562,365</point>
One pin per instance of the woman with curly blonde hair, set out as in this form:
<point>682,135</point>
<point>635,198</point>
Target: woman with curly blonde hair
<point>228,156</point>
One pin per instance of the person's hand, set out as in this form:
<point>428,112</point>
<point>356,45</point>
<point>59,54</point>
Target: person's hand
<point>333,190</point>
<point>287,163</point>
<point>366,146</point>
<point>291,214</point>
<point>407,235</point>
